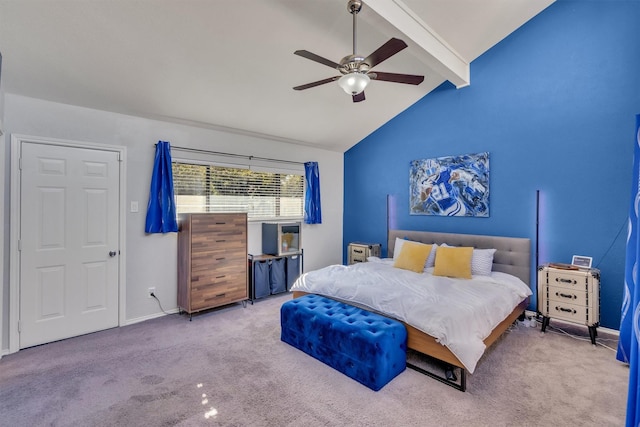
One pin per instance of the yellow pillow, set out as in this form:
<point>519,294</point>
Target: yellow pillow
<point>413,256</point>
<point>453,262</point>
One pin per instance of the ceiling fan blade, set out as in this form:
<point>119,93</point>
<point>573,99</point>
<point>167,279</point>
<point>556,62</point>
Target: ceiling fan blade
<point>409,79</point>
<point>318,83</point>
<point>385,51</point>
<point>314,57</point>
<point>359,97</point>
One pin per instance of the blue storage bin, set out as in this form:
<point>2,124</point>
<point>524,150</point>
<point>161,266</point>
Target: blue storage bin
<point>293,269</point>
<point>261,287</point>
<point>277,279</point>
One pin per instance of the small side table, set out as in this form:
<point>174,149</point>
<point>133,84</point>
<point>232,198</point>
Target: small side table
<point>359,251</point>
<point>569,294</point>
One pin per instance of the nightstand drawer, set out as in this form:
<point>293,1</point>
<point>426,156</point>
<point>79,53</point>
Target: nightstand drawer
<point>571,279</point>
<point>569,296</point>
<point>357,257</point>
<point>359,252</point>
<point>569,312</point>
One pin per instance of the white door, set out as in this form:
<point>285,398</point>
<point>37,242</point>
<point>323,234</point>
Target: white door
<point>69,228</point>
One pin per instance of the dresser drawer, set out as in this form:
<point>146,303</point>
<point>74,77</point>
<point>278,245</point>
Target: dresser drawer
<point>214,275</point>
<point>570,312</point>
<point>569,296</point>
<point>569,279</point>
<point>221,223</point>
<point>359,252</point>
<point>357,255</point>
<point>227,290</point>
<point>218,240</point>
<point>219,258</point>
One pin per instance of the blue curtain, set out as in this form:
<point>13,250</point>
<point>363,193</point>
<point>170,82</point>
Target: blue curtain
<point>312,210</point>
<point>629,323</point>
<point>161,211</point>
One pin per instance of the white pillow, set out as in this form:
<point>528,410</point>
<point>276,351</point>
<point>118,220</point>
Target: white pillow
<point>398,247</point>
<point>430,260</point>
<point>481,261</point>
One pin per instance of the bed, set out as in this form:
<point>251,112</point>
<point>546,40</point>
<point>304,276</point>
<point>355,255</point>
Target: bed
<point>512,256</point>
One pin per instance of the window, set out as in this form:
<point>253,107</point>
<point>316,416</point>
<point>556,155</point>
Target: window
<point>262,194</point>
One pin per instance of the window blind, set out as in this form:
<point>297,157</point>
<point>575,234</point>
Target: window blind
<point>268,193</point>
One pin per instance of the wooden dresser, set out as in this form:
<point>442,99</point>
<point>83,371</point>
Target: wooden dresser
<point>212,260</point>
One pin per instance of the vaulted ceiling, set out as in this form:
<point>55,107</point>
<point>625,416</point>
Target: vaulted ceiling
<point>230,64</point>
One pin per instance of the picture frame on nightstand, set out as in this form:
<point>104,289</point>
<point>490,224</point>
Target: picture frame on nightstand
<point>581,261</point>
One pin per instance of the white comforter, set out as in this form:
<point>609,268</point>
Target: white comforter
<point>459,313</point>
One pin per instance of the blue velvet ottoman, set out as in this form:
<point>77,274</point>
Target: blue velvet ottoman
<point>365,346</point>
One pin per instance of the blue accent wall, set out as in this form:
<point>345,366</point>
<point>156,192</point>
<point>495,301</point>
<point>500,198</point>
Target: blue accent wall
<point>554,104</point>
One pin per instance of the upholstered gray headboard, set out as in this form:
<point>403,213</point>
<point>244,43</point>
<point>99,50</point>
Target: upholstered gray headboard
<point>513,254</point>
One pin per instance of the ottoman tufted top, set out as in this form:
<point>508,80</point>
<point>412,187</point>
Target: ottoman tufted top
<point>343,313</point>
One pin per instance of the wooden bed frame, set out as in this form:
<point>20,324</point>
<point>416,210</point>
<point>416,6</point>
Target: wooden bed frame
<point>513,256</point>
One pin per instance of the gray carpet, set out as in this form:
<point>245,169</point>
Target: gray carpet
<point>229,368</point>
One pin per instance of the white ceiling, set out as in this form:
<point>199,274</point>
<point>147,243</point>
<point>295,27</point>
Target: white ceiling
<point>230,64</point>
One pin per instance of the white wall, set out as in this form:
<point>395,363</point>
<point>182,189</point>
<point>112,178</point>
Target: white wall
<point>151,259</point>
<point>4,174</point>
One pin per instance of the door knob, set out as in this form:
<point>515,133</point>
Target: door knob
<point>112,254</point>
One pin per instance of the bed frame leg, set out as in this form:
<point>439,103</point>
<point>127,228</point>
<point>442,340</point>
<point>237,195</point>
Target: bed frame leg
<point>450,382</point>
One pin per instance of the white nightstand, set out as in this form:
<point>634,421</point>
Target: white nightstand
<point>569,294</point>
<point>359,252</point>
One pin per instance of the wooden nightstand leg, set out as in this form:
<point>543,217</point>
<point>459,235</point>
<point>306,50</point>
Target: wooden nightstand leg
<point>545,323</point>
<point>593,333</point>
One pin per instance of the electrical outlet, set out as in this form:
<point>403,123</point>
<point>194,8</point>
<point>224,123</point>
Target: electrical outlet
<point>151,291</point>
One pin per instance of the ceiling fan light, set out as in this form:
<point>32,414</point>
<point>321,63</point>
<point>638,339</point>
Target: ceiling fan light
<point>354,83</point>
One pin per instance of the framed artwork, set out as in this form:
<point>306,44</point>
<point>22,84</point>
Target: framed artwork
<point>581,261</point>
<point>450,186</point>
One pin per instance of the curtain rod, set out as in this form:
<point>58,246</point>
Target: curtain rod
<point>197,150</point>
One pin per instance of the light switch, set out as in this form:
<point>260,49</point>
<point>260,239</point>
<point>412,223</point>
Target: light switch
<point>134,206</point>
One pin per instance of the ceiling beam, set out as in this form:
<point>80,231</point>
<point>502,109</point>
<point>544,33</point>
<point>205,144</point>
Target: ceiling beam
<point>436,53</point>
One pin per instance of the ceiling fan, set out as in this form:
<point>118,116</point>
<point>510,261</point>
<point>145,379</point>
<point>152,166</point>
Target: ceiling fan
<point>355,69</point>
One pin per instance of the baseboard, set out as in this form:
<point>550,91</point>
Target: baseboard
<point>5,351</point>
<point>615,332</point>
<point>149,317</point>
